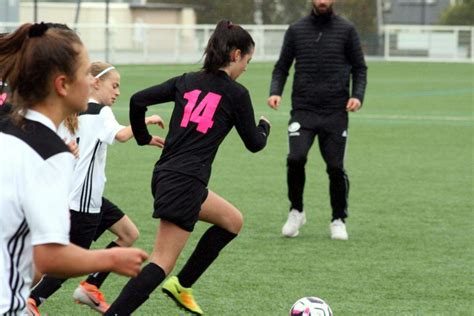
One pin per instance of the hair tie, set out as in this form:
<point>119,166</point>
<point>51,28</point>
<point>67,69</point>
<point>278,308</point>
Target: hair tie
<point>38,29</point>
<point>230,25</point>
<point>103,72</point>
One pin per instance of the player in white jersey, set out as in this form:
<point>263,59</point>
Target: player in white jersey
<point>48,71</point>
<point>91,213</point>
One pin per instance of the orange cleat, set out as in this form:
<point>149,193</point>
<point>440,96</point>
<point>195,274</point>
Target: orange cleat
<point>31,308</point>
<point>91,296</point>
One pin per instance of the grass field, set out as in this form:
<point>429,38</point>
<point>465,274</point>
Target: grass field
<point>411,225</point>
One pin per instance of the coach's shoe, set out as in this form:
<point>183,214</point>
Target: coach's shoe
<point>90,295</point>
<point>181,295</point>
<point>338,230</point>
<point>295,220</point>
<point>31,308</point>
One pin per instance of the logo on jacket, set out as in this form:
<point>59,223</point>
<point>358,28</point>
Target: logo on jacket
<point>293,129</point>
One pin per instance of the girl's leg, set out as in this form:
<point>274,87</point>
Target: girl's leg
<point>170,241</point>
<point>126,231</point>
<point>83,228</point>
<point>127,234</point>
<point>227,221</point>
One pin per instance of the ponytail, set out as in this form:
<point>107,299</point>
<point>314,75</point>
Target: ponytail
<point>30,56</point>
<point>71,122</point>
<point>226,38</point>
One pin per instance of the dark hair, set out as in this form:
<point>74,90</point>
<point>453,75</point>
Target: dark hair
<point>30,56</point>
<point>226,37</point>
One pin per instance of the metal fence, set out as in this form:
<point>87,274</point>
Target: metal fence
<point>429,43</point>
<point>151,44</point>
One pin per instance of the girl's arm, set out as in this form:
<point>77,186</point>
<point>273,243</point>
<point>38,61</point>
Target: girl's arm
<point>126,133</point>
<point>139,102</point>
<point>254,137</point>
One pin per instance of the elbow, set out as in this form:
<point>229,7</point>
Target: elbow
<point>121,138</point>
<point>44,262</point>
<point>134,100</point>
<point>254,148</point>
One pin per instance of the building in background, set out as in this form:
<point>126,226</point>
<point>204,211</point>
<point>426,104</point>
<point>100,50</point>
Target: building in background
<point>132,27</point>
<point>9,11</point>
<point>415,12</point>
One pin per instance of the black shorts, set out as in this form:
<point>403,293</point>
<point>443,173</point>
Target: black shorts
<point>88,227</point>
<point>178,198</point>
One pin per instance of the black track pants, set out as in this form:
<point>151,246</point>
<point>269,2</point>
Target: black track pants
<point>332,133</point>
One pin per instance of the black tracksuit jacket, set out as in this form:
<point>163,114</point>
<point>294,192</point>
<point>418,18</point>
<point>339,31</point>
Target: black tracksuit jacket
<point>326,50</point>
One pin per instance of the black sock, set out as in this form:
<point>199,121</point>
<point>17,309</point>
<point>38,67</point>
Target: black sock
<point>137,290</point>
<point>46,287</point>
<point>98,278</point>
<point>207,250</point>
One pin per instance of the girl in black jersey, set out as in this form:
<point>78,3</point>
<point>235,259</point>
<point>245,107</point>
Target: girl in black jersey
<point>208,104</point>
<point>48,71</point>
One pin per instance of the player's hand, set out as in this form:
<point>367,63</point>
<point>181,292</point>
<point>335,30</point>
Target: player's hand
<point>266,120</point>
<point>157,141</point>
<point>127,261</point>
<point>274,101</point>
<point>73,147</point>
<point>155,119</point>
<point>353,105</point>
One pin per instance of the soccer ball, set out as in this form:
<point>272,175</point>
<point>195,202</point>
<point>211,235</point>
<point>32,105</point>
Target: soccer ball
<point>310,306</point>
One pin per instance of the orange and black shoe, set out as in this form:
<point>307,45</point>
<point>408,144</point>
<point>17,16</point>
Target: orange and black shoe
<point>182,296</point>
<point>90,295</point>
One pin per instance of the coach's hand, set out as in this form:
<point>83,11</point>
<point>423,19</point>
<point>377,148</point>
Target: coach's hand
<point>127,261</point>
<point>156,141</point>
<point>155,119</point>
<point>353,105</point>
<point>274,101</point>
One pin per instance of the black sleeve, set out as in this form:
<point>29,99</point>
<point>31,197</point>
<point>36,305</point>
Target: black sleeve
<point>283,65</point>
<point>162,93</point>
<point>359,68</point>
<point>254,137</point>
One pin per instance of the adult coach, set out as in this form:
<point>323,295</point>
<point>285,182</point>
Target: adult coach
<point>327,51</point>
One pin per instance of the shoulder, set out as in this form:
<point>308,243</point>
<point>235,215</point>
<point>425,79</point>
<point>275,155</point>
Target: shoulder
<point>236,89</point>
<point>303,22</point>
<point>342,22</point>
<point>93,108</point>
<point>191,76</point>
<point>45,142</point>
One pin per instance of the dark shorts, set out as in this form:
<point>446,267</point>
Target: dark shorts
<point>178,198</point>
<point>86,227</point>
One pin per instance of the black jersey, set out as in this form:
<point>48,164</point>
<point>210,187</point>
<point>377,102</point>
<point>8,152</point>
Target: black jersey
<point>207,106</point>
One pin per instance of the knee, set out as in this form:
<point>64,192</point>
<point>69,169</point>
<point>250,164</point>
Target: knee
<point>336,172</point>
<point>295,161</point>
<point>235,223</point>
<point>128,236</point>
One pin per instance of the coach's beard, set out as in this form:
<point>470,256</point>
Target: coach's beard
<point>323,10</point>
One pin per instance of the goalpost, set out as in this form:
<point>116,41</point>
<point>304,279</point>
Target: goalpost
<point>429,43</point>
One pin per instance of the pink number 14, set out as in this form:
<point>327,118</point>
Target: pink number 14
<point>203,113</point>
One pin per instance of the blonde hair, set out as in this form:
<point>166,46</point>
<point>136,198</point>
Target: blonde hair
<point>101,70</point>
<point>72,123</point>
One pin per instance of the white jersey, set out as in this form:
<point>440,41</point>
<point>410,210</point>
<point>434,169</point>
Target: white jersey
<point>35,174</point>
<point>97,129</point>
